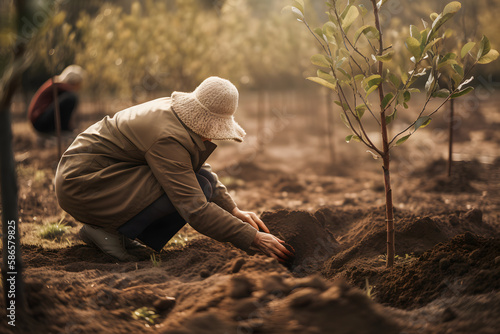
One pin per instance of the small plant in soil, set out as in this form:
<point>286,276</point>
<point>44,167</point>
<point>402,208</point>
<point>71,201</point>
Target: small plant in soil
<point>156,261</point>
<point>146,314</point>
<point>354,53</point>
<point>369,289</point>
<point>53,231</point>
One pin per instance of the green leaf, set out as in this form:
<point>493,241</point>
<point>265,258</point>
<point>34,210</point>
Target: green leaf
<point>406,96</point>
<point>343,105</point>
<point>466,49</point>
<point>442,93</point>
<point>350,17</point>
<point>359,77</point>
<point>326,76</point>
<point>329,28</point>
<point>394,80</point>
<point>364,11</point>
<point>462,92</point>
<point>431,44</point>
<point>390,118</point>
<point>321,60</point>
<point>299,4</point>
<point>415,33</point>
<point>450,62</point>
<point>318,31</point>
<point>422,122</point>
<point>360,110</point>
<point>484,47</point>
<point>413,45</point>
<point>352,137</point>
<point>323,82</point>
<point>386,100</point>
<point>295,11</point>
<point>402,140</point>
<point>489,57</point>
<point>343,117</point>
<point>386,57</point>
<point>449,11</point>
<point>374,79</point>
<point>369,31</point>
<point>452,8</point>
<point>371,90</point>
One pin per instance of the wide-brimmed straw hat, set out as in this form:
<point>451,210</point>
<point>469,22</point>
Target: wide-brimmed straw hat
<point>209,110</point>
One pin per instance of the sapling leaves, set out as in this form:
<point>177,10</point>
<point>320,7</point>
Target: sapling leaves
<point>413,45</point>
<point>448,12</point>
<point>466,49</point>
<point>295,11</point>
<point>323,82</point>
<point>350,17</point>
<point>352,137</point>
<point>386,57</point>
<point>415,33</point>
<point>321,60</point>
<point>343,117</point>
<point>394,80</point>
<point>489,57</point>
<point>402,140</point>
<point>462,92</point>
<point>360,110</point>
<point>442,93</point>
<point>385,102</point>
<point>484,47</point>
<point>422,122</point>
<point>369,31</point>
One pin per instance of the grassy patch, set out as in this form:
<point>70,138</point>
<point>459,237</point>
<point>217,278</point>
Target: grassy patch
<point>53,231</point>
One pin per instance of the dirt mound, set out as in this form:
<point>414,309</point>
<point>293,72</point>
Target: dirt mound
<point>467,264</point>
<point>463,172</point>
<point>274,305</point>
<point>312,241</point>
<point>362,234</point>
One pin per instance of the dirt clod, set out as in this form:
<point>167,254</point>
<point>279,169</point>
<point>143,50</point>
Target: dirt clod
<point>240,287</point>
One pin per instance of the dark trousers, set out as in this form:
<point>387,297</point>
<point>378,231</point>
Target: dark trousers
<point>160,221</point>
<point>46,121</point>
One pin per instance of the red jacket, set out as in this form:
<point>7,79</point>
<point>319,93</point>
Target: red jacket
<point>44,96</point>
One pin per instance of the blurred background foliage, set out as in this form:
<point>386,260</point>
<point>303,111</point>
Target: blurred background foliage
<point>132,49</point>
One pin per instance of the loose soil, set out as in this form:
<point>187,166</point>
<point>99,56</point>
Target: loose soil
<point>446,277</point>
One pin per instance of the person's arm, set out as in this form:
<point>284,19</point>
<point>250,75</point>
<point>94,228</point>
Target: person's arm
<point>177,177</point>
<point>222,198</point>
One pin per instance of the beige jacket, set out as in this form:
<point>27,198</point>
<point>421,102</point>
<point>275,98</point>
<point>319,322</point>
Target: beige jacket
<point>122,164</point>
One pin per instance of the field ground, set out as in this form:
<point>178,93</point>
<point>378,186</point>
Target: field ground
<point>447,273</point>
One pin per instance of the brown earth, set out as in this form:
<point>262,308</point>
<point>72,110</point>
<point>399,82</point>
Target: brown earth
<point>445,279</point>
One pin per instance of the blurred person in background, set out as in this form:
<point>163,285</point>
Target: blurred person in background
<point>141,174</point>
<point>41,111</point>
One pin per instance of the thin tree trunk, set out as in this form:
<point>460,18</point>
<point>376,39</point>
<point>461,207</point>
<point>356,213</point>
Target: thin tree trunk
<point>12,268</point>
<point>57,117</point>
<point>261,119</point>
<point>450,141</point>
<point>329,126</point>
<point>389,209</point>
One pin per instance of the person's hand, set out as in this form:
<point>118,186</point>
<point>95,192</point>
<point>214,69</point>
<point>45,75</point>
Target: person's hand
<point>250,218</point>
<point>271,246</point>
